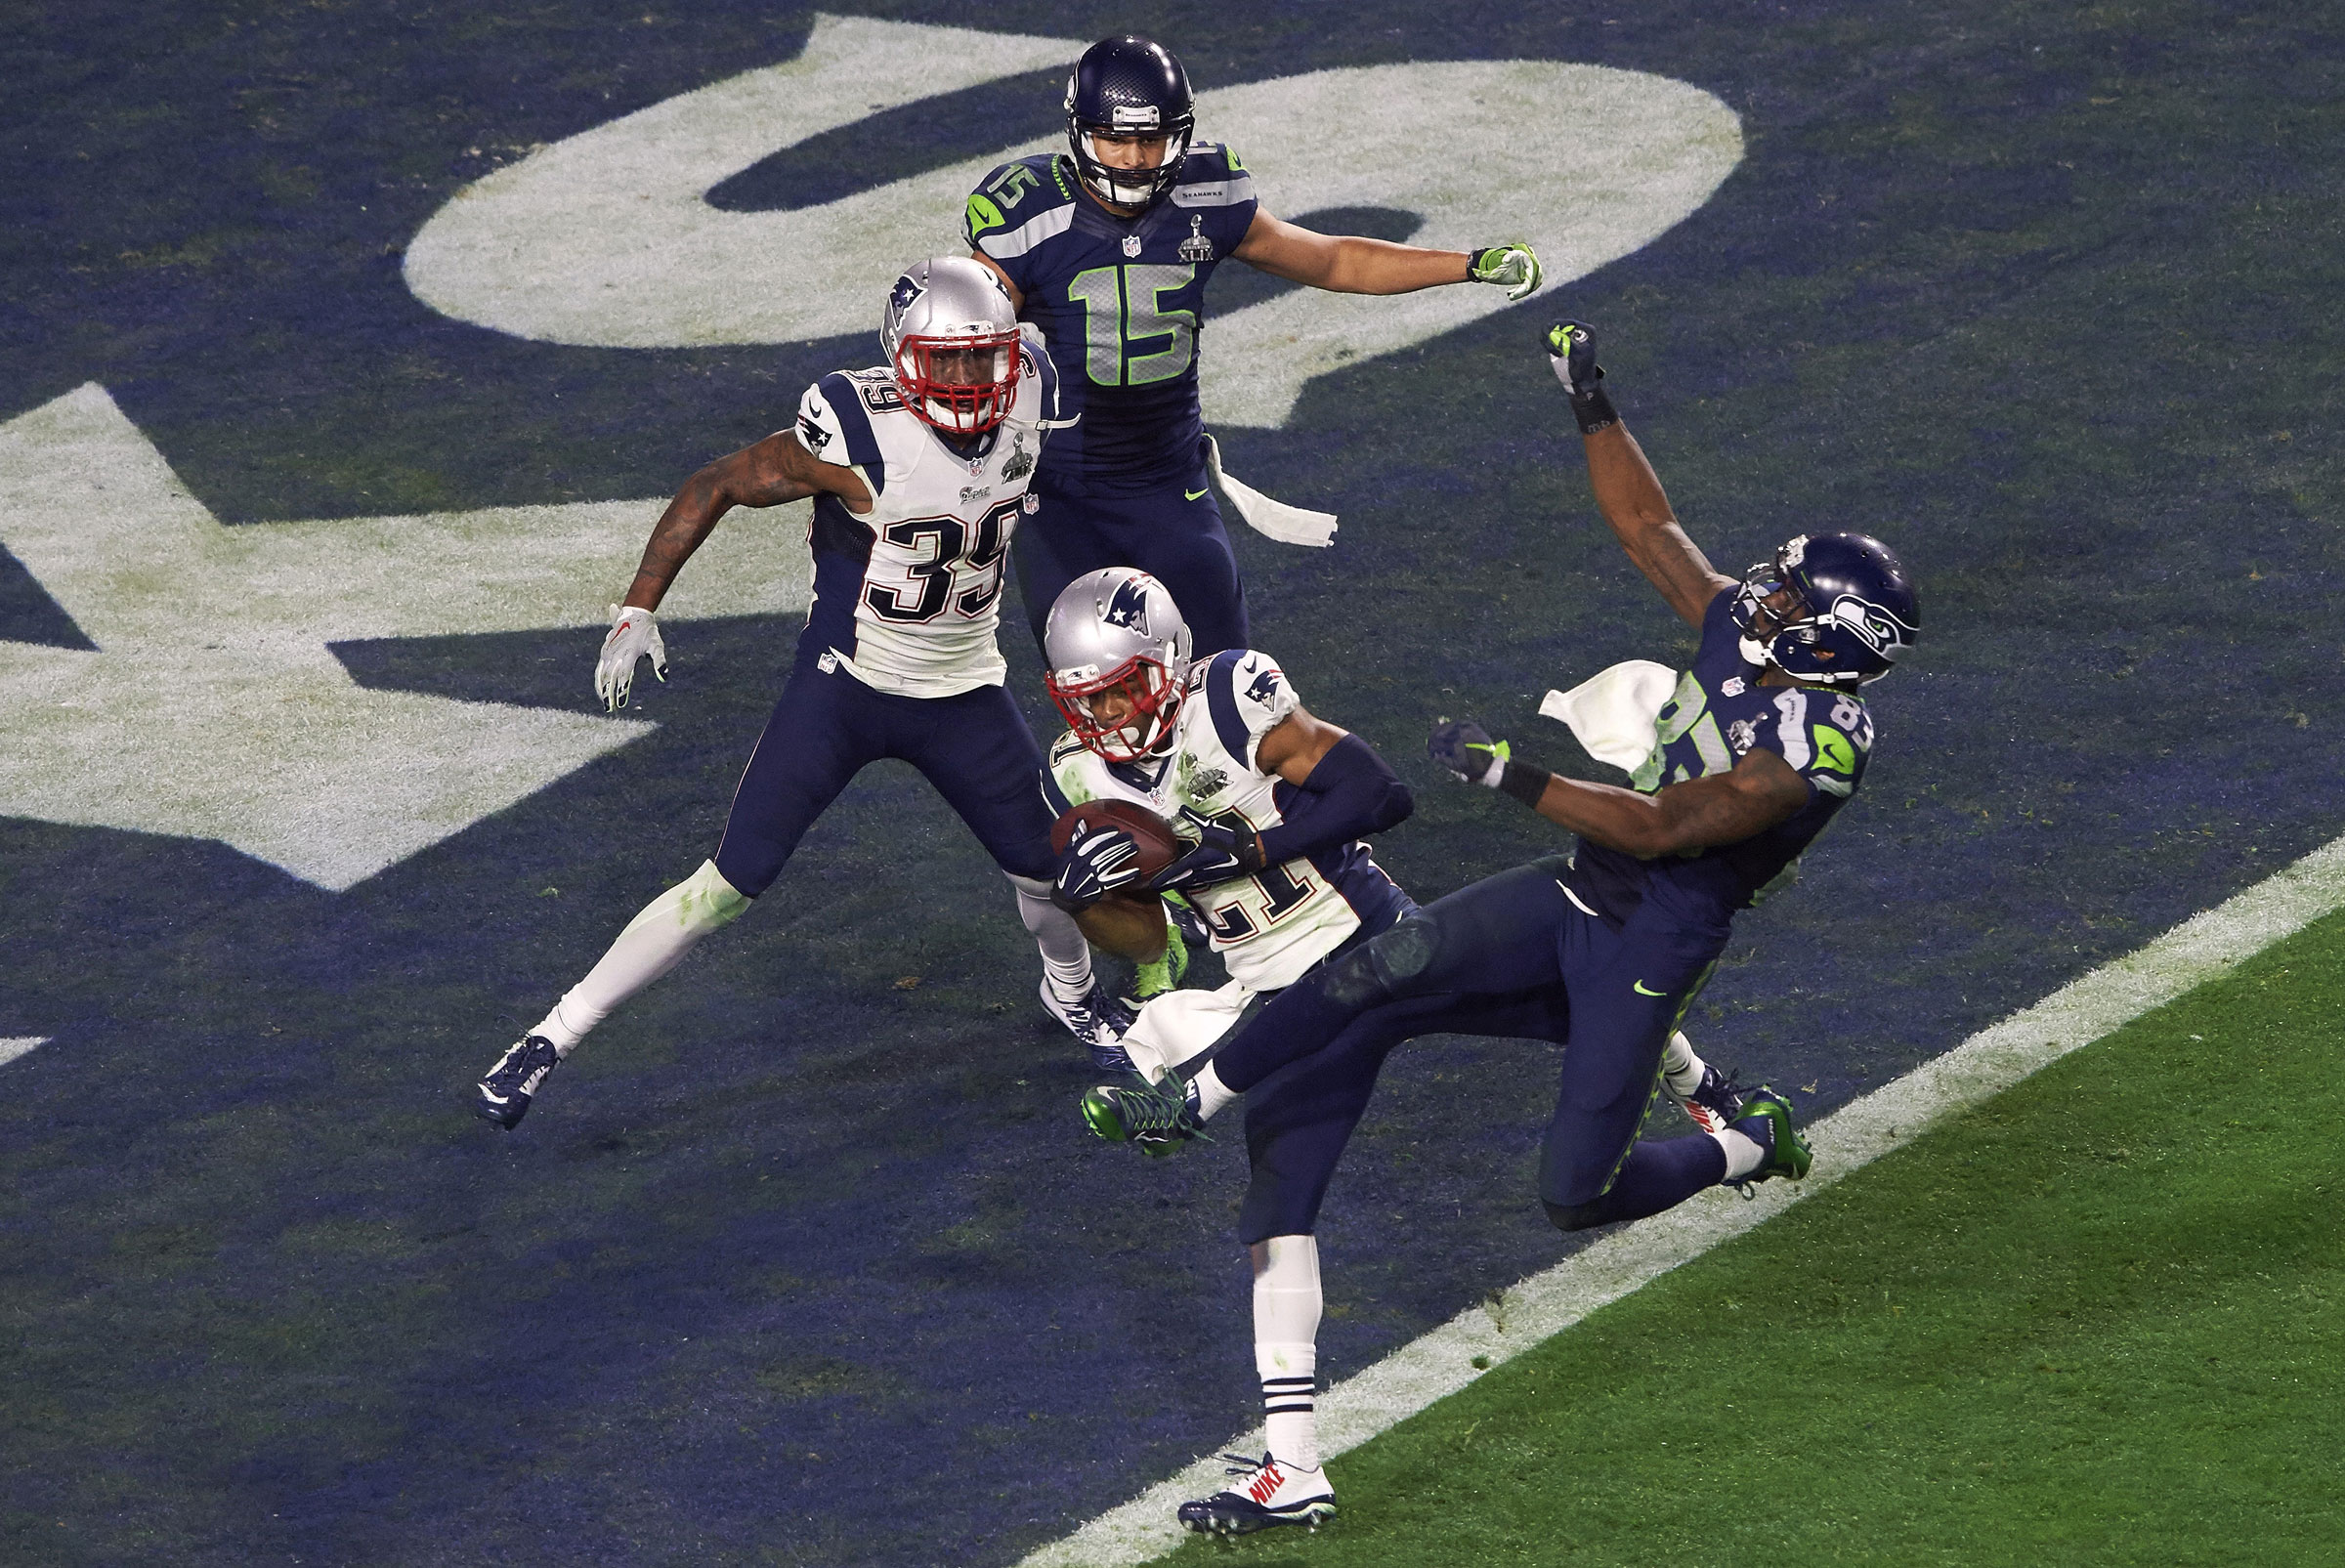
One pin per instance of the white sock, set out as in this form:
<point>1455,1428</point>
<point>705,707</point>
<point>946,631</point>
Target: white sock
<point>1744,1154</point>
<point>1286,1356</point>
<point>1066,955</point>
<point>1211,1094</point>
<point>1681,1069</point>
<point>654,942</point>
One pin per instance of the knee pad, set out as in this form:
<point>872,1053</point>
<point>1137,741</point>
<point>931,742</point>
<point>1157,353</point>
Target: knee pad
<point>1382,967</point>
<point>1576,1217</point>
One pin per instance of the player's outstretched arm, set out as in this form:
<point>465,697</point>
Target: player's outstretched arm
<point>774,471</point>
<point>1349,264</point>
<point>1626,490</point>
<point>1693,814</point>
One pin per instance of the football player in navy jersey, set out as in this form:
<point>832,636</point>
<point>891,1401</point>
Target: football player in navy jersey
<point>1107,248</point>
<point>919,472</point>
<point>1762,741</point>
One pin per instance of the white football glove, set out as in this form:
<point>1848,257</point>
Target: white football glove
<point>633,634</point>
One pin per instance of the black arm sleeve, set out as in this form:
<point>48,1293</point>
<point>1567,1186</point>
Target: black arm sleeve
<point>1352,794</point>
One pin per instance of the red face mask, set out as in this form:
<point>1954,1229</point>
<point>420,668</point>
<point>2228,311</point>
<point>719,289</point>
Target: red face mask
<point>960,385</point>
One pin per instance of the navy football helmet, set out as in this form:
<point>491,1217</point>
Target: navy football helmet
<point>1830,608</point>
<point>1129,87</point>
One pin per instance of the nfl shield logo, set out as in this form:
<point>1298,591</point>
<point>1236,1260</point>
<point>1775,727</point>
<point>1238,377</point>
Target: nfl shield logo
<point>1132,244</point>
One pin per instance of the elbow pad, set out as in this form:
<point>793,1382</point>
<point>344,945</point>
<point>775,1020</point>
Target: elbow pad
<point>1352,794</point>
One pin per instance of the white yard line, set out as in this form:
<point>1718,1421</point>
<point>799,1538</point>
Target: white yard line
<point>1439,1364</point>
<point>11,1050</point>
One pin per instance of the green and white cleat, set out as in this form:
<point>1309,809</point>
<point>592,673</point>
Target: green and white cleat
<point>1157,1117</point>
<point>1767,1120</point>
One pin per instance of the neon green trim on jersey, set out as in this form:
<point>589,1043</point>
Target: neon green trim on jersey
<point>1833,749</point>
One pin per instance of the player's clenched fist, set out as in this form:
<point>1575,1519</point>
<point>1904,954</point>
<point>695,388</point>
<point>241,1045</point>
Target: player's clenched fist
<point>1097,862</point>
<point>634,633</point>
<point>1513,268</point>
<point>1221,855</point>
<point>1466,749</point>
<point>1571,354</point>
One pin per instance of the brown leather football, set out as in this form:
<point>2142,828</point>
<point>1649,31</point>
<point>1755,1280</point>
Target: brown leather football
<point>1159,845</point>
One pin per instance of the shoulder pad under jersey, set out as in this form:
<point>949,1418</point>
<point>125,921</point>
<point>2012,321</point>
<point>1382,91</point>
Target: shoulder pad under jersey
<point>1015,195</point>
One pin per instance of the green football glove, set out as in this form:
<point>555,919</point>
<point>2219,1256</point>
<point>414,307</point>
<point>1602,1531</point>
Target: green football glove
<point>1513,268</point>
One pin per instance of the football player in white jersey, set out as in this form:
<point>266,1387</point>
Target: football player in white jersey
<point>919,470</point>
<point>1278,801</point>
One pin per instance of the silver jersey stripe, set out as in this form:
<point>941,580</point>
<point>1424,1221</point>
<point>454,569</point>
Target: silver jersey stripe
<point>1218,193</point>
<point>1793,730</point>
<point>1028,234</point>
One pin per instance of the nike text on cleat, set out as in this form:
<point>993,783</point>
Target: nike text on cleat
<point>1767,1120</point>
<point>505,1090</point>
<point>1714,1103</point>
<point>1263,1493</point>
<point>1157,1117</point>
<point>1098,1021</point>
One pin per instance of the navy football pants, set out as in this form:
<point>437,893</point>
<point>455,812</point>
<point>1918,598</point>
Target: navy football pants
<point>975,748</point>
<point>1511,954</point>
<point>1172,531</point>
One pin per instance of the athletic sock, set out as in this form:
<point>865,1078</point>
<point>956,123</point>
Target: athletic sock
<point>654,942</point>
<point>1744,1153</point>
<point>1285,1327</point>
<point>1212,1093</point>
<point>1066,955</point>
<point>1681,1069</point>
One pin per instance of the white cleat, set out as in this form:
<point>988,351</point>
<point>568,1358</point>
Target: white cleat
<point>1263,1493</point>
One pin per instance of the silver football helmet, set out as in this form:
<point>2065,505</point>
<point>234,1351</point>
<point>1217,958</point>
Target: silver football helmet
<point>1119,655</point>
<point>951,337</point>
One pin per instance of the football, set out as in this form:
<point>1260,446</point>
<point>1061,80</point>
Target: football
<point>1159,845</point>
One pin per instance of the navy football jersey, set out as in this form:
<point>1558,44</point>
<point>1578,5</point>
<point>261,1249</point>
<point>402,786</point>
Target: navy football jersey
<point>1717,714</point>
<point>1121,302</point>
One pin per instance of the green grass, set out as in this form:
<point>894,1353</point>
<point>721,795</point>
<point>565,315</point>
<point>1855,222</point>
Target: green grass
<point>2096,1321</point>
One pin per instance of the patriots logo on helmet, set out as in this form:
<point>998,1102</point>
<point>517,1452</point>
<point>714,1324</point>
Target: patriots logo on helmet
<point>1129,606</point>
<point>907,290</point>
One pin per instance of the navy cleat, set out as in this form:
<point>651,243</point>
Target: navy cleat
<point>1767,1120</point>
<point>1714,1104</point>
<point>1099,1020</point>
<point>1157,1117</point>
<point>505,1090</point>
<point>1264,1494</point>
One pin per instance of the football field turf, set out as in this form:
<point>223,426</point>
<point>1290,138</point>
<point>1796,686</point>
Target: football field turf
<point>2099,1318</point>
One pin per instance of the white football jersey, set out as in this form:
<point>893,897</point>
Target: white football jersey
<point>907,595</point>
<point>1268,928</point>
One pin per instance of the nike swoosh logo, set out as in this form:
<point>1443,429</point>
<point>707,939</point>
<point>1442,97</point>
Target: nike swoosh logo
<point>1638,986</point>
<point>1191,496</point>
